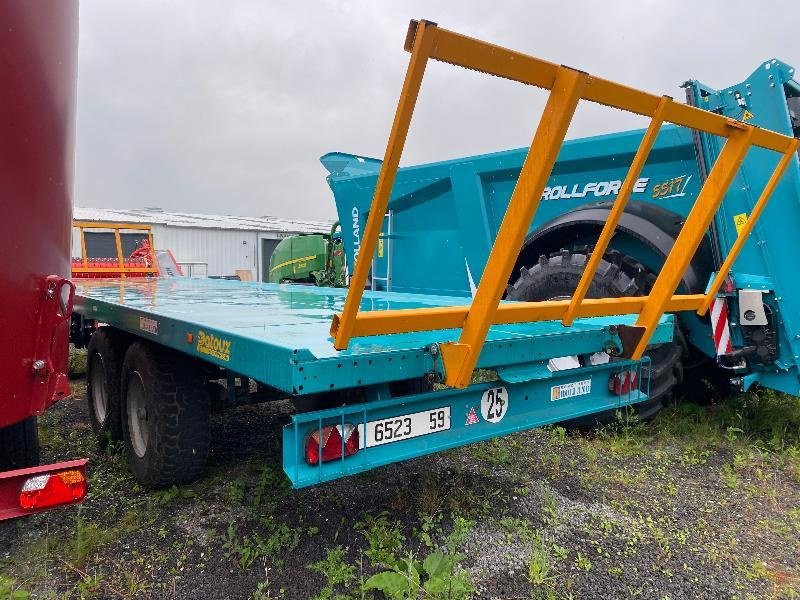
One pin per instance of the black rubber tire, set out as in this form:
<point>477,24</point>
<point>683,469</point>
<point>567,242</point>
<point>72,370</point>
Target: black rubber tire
<point>218,396</point>
<point>19,445</point>
<point>104,357</point>
<point>175,399</point>
<point>617,275</point>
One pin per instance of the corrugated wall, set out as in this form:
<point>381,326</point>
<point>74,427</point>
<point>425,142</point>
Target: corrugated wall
<point>223,250</point>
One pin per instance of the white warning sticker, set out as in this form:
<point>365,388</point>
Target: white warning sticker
<point>570,390</point>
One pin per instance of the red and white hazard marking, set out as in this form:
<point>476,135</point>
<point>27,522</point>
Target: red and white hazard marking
<point>472,417</point>
<point>719,324</point>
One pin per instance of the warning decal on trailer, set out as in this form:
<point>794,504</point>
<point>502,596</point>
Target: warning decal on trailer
<point>472,417</point>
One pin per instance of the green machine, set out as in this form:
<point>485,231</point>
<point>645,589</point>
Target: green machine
<point>315,258</point>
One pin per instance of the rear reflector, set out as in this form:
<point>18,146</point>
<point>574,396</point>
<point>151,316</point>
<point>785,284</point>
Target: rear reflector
<point>623,382</point>
<point>329,440</point>
<point>52,489</point>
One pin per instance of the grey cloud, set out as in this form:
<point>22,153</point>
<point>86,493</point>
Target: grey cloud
<point>225,107</point>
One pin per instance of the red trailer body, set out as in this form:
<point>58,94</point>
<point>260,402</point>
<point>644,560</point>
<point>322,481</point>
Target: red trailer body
<point>38,71</point>
<point>38,75</point>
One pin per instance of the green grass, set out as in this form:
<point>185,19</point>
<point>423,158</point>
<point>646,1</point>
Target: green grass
<point>77,362</point>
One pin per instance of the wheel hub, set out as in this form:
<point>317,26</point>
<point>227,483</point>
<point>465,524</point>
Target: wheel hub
<point>138,422</point>
<point>98,384</point>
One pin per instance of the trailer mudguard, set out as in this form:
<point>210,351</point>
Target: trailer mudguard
<point>647,225</point>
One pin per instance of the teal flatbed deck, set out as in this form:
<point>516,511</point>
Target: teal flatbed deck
<point>279,334</point>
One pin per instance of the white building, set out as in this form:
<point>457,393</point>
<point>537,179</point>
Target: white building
<point>207,245</point>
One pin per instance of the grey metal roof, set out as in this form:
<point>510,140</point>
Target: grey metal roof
<point>194,220</point>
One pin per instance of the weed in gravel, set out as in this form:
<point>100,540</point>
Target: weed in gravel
<point>516,526</point>
<point>272,485</point>
<point>729,477</point>
<point>384,538</point>
<point>262,591</point>
<point>625,437</point>
<point>495,452</point>
<point>428,527</point>
<point>793,462</point>
<point>12,590</point>
<point>540,561</point>
<point>761,417</point>
<point>582,562</point>
<point>89,586</point>
<point>336,571</point>
<point>273,541</point>
<point>438,576</point>
<point>549,506</point>
<point>755,570</point>
<point>86,539</point>
<point>233,492</point>
<point>164,498</point>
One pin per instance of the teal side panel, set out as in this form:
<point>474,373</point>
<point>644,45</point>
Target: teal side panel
<point>767,260</point>
<point>446,215</point>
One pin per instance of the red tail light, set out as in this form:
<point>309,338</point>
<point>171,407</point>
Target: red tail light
<point>330,440</point>
<point>623,382</point>
<point>52,489</point>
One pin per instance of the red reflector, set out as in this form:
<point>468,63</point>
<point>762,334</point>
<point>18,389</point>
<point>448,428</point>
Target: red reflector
<point>623,383</point>
<point>52,489</point>
<point>331,442</point>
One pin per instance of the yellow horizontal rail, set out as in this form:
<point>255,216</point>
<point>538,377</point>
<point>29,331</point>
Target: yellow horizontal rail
<point>425,40</point>
<point>381,322</point>
<point>470,53</point>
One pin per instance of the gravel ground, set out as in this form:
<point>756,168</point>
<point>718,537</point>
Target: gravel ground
<point>703,503</point>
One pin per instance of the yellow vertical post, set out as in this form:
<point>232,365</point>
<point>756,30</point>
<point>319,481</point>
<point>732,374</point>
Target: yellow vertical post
<point>772,183</point>
<point>83,249</point>
<point>693,230</point>
<point>616,211</point>
<point>424,37</point>
<point>120,258</point>
<point>460,359</point>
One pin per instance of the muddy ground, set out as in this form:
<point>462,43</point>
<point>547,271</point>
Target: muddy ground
<point>702,503</point>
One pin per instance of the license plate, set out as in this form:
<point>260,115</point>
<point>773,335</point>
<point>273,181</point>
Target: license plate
<point>404,427</point>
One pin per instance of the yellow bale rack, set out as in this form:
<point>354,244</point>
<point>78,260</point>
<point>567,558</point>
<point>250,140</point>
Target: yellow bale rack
<point>425,40</point>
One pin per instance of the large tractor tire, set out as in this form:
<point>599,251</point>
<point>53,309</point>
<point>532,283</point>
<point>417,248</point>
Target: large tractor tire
<point>556,277</point>
<point>165,420</point>
<point>19,445</point>
<point>104,358</point>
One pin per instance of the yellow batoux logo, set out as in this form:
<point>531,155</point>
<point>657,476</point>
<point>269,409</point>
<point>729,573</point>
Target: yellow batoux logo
<point>211,345</point>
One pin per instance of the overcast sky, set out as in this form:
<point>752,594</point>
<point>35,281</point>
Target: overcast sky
<point>226,107</point>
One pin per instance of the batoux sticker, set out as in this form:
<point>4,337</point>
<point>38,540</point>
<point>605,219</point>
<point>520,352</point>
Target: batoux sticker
<point>494,404</point>
<point>211,345</point>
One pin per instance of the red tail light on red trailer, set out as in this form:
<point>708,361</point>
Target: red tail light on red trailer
<point>26,491</point>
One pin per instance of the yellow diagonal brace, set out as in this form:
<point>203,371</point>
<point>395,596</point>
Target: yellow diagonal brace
<point>424,37</point>
<point>616,211</point>
<point>787,158</point>
<point>550,133</point>
<point>692,232</point>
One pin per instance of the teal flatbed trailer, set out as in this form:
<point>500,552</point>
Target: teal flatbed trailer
<point>466,318</point>
<point>278,336</point>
